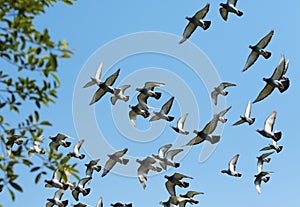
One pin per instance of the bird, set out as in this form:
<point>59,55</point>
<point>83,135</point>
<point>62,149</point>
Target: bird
<point>259,49</point>
<point>119,204</point>
<point>147,90</point>
<point>165,156</point>
<point>268,128</point>
<point>190,195</point>
<point>194,22</point>
<point>56,181</point>
<point>178,201</point>
<point>176,179</point>
<point>273,146</point>
<point>56,200</point>
<point>230,6</point>
<point>220,116</point>
<point>261,177</point>
<point>246,117</point>
<point>140,109</point>
<point>162,114</point>
<point>180,124</point>
<point>59,140</point>
<point>103,86</point>
<point>146,165</point>
<point>100,202</point>
<point>220,90</point>
<point>36,147</point>
<point>119,94</point>
<point>113,159</point>
<point>206,133</point>
<point>76,149</point>
<point>80,188</point>
<point>261,159</point>
<point>273,82</point>
<point>91,166</point>
<point>79,205</point>
<point>232,167</point>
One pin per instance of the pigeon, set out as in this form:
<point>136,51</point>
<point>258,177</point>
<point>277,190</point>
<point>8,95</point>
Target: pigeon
<point>273,82</point>
<point>91,166</point>
<point>165,156</point>
<point>143,170</point>
<point>119,94</point>
<point>113,159</point>
<point>261,159</point>
<point>162,114</point>
<point>178,201</point>
<point>261,177</point>
<point>147,90</point>
<point>100,202</point>
<point>268,129</point>
<point>180,124</point>
<point>80,188</point>
<point>36,147</point>
<point>56,182</point>
<point>140,109</point>
<point>229,7</point>
<point>79,205</point>
<point>104,87</point>
<point>246,117</point>
<point>75,152</point>
<point>259,49</point>
<point>232,167</point>
<point>56,200</point>
<point>119,204</point>
<point>220,115</point>
<point>273,146</point>
<point>176,179</point>
<point>205,133</point>
<point>189,195</point>
<point>59,140</point>
<point>194,22</point>
<point>220,90</point>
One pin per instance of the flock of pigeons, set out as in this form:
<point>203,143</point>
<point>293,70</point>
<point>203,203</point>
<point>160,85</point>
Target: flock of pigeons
<point>165,155</point>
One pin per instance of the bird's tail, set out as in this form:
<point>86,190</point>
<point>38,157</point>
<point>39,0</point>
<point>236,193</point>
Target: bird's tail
<point>157,95</point>
<point>98,168</point>
<point>86,192</point>
<point>267,160</point>
<point>125,161</point>
<point>267,54</point>
<point>126,98</point>
<point>266,179</point>
<point>185,184</point>
<point>277,136</point>
<point>67,144</point>
<point>279,149</point>
<point>206,25</point>
<point>239,13</point>
<point>252,121</point>
<point>170,118</point>
<point>176,164</point>
<point>65,202</point>
<point>82,156</point>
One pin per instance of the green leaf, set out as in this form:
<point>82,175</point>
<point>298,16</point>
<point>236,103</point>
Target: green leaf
<point>65,160</point>
<point>12,194</point>
<point>27,162</point>
<point>38,177</point>
<point>16,186</point>
<point>45,123</point>
<point>35,169</point>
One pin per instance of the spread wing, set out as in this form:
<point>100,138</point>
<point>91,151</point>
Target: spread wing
<point>279,70</point>
<point>267,90</point>
<point>239,122</point>
<point>162,151</point>
<point>111,79</point>
<point>195,140</point>
<point>170,187</point>
<point>269,123</point>
<point>226,84</point>
<point>108,166</point>
<point>265,40</point>
<point>222,113</point>
<point>170,154</point>
<point>78,145</point>
<point>152,85</point>
<point>100,202</point>
<point>124,87</point>
<point>251,60</point>
<point>224,13</point>
<point>179,176</point>
<point>232,163</point>
<point>75,194</point>
<point>188,31</point>
<point>98,95</point>
<point>233,2</point>
<point>248,110</point>
<point>167,106</point>
<point>191,194</point>
<point>132,117</point>
<point>121,153</point>
<point>202,13</point>
<point>180,122</point>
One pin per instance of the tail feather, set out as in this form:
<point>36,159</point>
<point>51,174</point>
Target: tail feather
<point>176,164</point>
<point>170,118</point>
<point>87,191</point>
<point>267,55</point>
<point>252,121</point>
<point>82,156</point>
<point>125,161</point>
<point>157,95</point>
<point>206,25</point>
<point>277,136</point>
<point>185,184</point>
<point>65,202</point>
<point>239,13</point>
<point>126,98</point>
<point>68,144</point>
<point>267,160</point>
<point>279,149</point>
<point>98,168</point>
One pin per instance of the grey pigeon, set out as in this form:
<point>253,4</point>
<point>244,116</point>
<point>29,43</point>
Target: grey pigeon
<point>230,6</point>
<point>80,188</point>
<point>163,113</point>
<point>220,90</point>
<point>59,140</point>
<point>119,94</point>
<point>113,159</point>
<point>261,159</point>
<point>165,156</point>
<point>76,149</point>
<point>261,177</point>
<point>56,200</point>
<point>176,180</point>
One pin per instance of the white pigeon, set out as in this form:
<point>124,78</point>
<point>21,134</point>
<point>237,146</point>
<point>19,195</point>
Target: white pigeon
<point>180,124</point>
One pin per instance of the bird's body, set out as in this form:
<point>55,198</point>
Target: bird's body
<point>260,177</point>
<point>148,90</point>
<point>165,156</point>
<point>140,109</point>
<point>59,140</point>
<point>91,166</point>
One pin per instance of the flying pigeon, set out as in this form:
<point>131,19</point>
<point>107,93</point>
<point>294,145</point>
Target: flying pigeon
<point>119,94</point>
<point>80,188</point>
<point>113,159</point>
<point>140,109</point>
<point>220,116</point>
<point>143,170</point>
<point>268,128</point>
<point>56,182</point>
<point>273,82</point>
<point>261,159</point>
<point>194,22</point>
<point>59,140</point>
<point>229,7</point>
<point>56,200</point>
<point>220,90</point>
<point>147,90</point>
<point>180,124</point>
<point>259,49</point>
<point>246,117</point>
<point>165,156</point>
<point>91,166</point>
<point>76,149</point>
<point>176,179</point>
<point>261,177</point>
<point>273,146</point>
<point>162,114</point>
<point>36,147</point>
<point>232,167</point>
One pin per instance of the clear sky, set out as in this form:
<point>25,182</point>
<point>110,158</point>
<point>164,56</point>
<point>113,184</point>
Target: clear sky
<point>98,32</point>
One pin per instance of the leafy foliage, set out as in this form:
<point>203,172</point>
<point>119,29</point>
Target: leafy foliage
<point>29,61</point>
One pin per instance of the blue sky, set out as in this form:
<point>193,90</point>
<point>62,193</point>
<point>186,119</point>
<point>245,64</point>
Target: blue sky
<point>90,25</point>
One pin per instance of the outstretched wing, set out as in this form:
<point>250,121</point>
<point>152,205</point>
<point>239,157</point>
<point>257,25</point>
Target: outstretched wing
<point>111,79</point>
<point>167,106</point>
<point>202,13</point>
<point>269,123</point>
<point>267,90</point>
<point>224,13</point>
<point>232,162</point>
<point>98,95</point>
<point>265,40</point>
